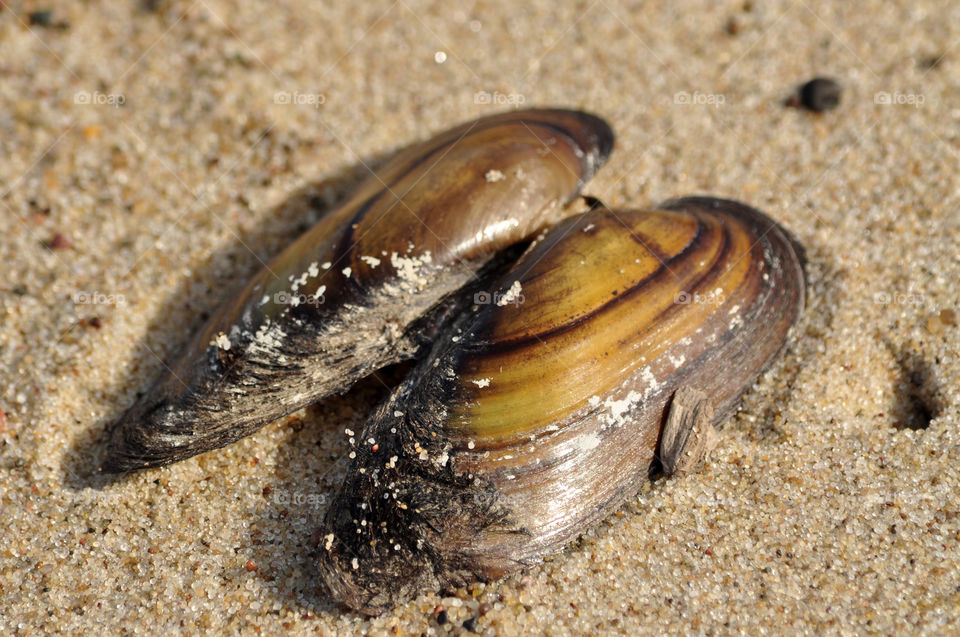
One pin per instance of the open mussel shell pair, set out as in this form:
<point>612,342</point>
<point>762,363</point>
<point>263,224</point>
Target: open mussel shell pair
<point>547,387</point>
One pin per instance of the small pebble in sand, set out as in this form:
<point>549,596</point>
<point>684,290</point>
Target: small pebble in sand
<point>40,18</point>
<point>818,95</point>
<point>91,132</point>
<point>44,18</point>
<point>931,62</point>
<point>732,27</point>
<point>59,242</point>
<point>936,323</point>
<point>94,321</point>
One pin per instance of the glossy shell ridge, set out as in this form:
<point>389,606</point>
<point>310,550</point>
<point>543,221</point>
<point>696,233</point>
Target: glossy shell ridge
<point>525,425</point>
<point>354,293</point>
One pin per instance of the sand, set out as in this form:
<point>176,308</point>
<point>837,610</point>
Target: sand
<point>153,158</point>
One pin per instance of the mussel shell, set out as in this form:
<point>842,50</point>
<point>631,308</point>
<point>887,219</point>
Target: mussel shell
<point>532,418</point>
<point>365,285</point>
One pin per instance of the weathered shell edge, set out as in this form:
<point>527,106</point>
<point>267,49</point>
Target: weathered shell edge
<point>275,360</point>
<point>448,518</point>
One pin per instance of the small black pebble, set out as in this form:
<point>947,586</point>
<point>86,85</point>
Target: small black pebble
<point>732,27</point>
<point>40,18</point>
<point>442,617</point>
<point>45,19</point>
<point>820,94</point>
<point>471,624</point>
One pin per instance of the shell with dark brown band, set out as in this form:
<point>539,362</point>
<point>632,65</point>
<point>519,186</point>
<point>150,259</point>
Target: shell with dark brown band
<point>366,285</point>
<point>539,410</point>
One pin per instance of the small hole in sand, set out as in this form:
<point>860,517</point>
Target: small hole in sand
<point>916,392</point>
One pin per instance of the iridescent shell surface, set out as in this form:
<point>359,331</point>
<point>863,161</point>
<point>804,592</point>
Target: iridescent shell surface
<point>539,410</point>
<point>366,285</point>
<point>547,388</point>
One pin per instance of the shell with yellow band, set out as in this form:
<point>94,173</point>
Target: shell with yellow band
<point>539,410</point>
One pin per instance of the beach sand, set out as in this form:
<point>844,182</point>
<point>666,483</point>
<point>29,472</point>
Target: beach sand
<point>153,157</point>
